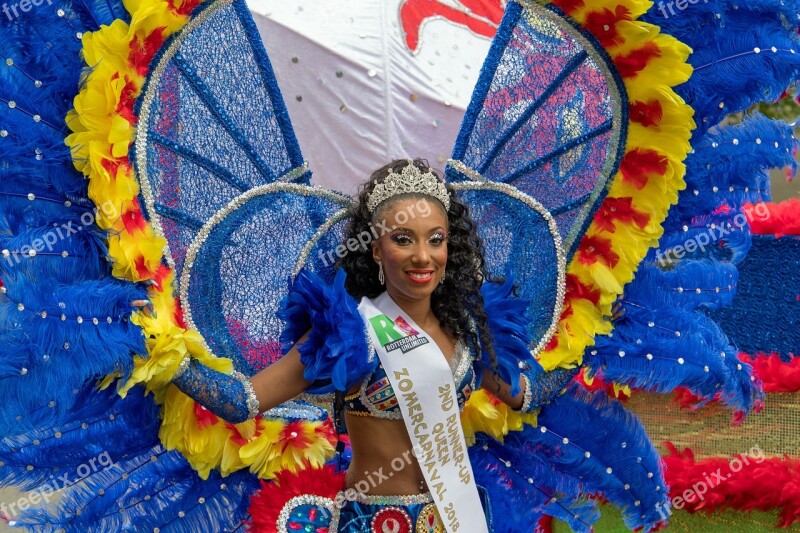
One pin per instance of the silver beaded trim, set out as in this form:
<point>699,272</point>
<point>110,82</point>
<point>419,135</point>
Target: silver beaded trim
<point>460,166</point>
<point>462,360</point>
<point>141,137</point>
<point>236,203</point>
<point>182,366</point>
<point>294,173</point>
<point>308,499</point>
<point>252,400</point>
<point>527,397</point>
<point>377,499</point>
<point>321,231</point>
<point>561,262</point>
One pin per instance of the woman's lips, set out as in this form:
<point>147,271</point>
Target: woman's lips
<point>420,276</point>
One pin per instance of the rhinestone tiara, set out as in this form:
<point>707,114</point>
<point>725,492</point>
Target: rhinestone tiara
<point>410,180</point>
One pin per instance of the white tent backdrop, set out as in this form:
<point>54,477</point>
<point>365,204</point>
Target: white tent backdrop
<point>362,88</point>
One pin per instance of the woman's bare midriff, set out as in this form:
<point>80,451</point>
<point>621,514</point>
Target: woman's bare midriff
<point>382,463</point>
<point>382,451</point>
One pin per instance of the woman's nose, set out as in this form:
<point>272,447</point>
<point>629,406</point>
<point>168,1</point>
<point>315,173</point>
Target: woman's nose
<point>421,254</point>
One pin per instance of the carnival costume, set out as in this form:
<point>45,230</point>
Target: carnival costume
<point>197,198</point>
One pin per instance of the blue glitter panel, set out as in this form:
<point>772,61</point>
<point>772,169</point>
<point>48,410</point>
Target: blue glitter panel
<point>517,239</point>
<point>206,148</point>
<point>548,116</point>
<point>243,265</point>
<point>765,313</point>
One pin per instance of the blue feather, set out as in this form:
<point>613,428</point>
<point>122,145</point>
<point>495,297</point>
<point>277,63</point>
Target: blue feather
<point>336,350</point>
<point>154,489</point>
<point>33,346</point>
<point>593,438</point>
<point>99,422</point>
<point>733,59</point>
<point>663,341</point>
<point>507,319</point>
<point>521,486</point>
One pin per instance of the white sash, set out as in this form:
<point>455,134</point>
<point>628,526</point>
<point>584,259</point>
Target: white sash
<point>423,384</point>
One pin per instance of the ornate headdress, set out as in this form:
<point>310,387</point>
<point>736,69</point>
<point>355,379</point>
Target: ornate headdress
<point>410,180</point>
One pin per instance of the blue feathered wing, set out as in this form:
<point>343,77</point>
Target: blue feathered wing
<point>222,180</point>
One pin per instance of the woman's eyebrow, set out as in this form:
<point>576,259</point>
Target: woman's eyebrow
<point>409,230</point>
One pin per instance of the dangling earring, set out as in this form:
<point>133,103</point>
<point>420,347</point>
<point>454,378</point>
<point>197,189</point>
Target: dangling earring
<point>381,279</point>
<point>441,281</point>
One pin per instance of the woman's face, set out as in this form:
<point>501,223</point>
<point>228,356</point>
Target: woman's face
<point>414,252</point>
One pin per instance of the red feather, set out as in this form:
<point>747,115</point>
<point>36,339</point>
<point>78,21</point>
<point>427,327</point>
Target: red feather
<point>603,25</point>
<point>776,375</point>
<point>746,482</point>
<point>204,417</point>
<point>133,219</point>
<point>127,98</point>
<point>774,219</point>
<point>594,249</point>
<point>568,6</point>
<point>630,64</point>
<point>647,113</point>
<point>267,503</point>
<point>639,163</point>
<point>575,289</point>
<point>619,210</point>
<point>143,50</point>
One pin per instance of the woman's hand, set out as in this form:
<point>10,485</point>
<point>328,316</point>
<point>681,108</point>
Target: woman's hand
<point>145,307</point>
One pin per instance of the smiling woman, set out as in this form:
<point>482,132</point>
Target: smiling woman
<point>417,289</point>
<point>567,161</point>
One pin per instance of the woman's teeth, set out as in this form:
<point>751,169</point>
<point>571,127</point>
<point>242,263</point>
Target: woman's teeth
<point>418,276</point>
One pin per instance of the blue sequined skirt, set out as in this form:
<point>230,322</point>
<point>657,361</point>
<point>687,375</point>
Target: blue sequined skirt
<point>359,513</point>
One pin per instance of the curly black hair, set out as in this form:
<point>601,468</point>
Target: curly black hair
<point>455,302</point>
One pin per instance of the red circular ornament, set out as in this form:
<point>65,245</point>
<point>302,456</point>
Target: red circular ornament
<point>391,520</point>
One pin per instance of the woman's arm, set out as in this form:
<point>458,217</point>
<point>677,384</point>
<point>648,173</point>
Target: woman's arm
<point>537,387</point>
<point>502,390</point>
<point>237,398</point>
<point>282,380</point>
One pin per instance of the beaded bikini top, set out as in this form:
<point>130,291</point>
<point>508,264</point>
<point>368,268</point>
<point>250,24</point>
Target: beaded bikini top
<point>376,398</point>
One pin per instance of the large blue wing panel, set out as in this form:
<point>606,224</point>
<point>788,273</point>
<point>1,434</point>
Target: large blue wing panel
<point>224,182</point>
<point>547,123</point>
<point>548,116</point>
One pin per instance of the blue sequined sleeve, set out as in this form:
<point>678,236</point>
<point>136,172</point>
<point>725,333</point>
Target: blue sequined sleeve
<point>542,387</point>
<point>229,396</point>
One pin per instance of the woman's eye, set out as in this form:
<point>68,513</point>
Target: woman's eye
<point>401,239</point>
<point>437,239</point>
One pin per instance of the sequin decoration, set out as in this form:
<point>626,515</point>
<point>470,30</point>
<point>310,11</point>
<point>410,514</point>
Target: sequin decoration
<point>231,292</point>
<point>228,396</point>
<point>563,81</point>
<point>429,521</point>
<point>376,397</point>
<point>391,520</point>
<point>308,513</point>
<point>200,153</point>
